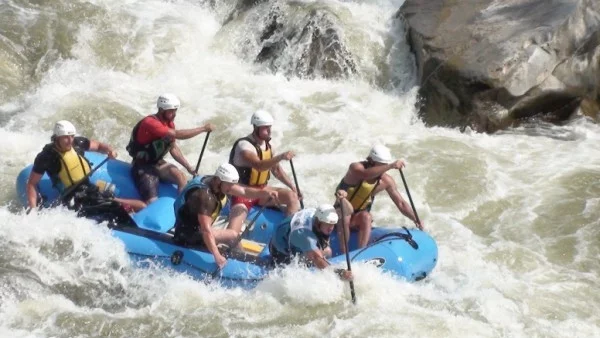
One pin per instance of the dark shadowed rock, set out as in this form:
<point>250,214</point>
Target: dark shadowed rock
<point>272,38</point>
<point>311,47</point>
<point>490,63</point>
<point>240,7</point>
<point>297,39</point>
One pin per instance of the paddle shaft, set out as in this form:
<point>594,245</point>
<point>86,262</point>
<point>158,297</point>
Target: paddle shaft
<point>296,182</point>
<point>345,239</point>
<point>74,186</point>
<point>202,152</point>
<point>409,197</point>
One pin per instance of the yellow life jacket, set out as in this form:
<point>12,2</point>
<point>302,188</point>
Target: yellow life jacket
<point>360,195</point>
<point>261,177</point>
<point>251,176</point>
<point>73,168</point>
<point>219,207</point>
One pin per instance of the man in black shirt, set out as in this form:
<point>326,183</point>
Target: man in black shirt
<point>64,162</point>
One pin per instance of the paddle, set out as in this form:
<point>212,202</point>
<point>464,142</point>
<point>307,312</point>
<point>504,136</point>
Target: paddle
<point>296,182</point>
<point>352,294</point>
<point>409,197</point>
<point>217,270</point>
<point>72,188</point>
<point>201,153</point>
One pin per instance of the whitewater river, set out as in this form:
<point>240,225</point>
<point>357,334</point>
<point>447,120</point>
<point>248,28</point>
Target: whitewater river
<point>515,214</point>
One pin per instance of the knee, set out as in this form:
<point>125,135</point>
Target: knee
<point>237,214</point>
<point>233,234</point>
<point>290,196</point>
<point>348,208</point>
<point>177,173</point>
<point>179,177</point>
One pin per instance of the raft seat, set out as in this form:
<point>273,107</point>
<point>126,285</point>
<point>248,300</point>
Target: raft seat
<point>252,247</point>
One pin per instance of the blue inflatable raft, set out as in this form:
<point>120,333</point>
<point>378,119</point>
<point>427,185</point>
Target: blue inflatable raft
<point>408,254</point>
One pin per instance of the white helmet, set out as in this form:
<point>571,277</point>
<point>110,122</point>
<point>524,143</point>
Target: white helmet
<point>380,153</point>
<point>326,213</point>
<point>261,118</point>
<point>227,173</point>
<point>168,101</point>
<point>62,128</point>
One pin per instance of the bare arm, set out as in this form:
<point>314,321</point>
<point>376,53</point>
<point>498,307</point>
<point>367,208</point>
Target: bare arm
<point>178,156</point>
<point>261,165</point>
<point>205,222</point>
<point>316,256</point>
<point>358,171</point>
<point>252,193</point>
<point>400,202</point>
<point>34,179</point>
<point>184,134</point>
<point>281,175</point>
<point>103,148</point>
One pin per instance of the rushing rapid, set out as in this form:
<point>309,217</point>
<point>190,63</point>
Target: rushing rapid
<point>515,214</point>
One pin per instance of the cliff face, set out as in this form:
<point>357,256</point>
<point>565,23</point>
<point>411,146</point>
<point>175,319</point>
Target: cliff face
<point>492,63</point>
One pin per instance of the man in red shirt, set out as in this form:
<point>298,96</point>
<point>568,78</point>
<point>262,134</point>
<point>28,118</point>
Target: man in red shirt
<point>150,141</point>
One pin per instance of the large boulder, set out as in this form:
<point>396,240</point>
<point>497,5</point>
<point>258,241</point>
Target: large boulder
<point>491,63</point>
<point>297,39</point>
<point>309,48</point>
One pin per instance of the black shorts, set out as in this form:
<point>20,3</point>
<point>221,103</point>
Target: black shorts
<point>187,234</point>
<point>278,258</point>
<point>90,202</point>
<point>193,239</point>
<point>146,178</point>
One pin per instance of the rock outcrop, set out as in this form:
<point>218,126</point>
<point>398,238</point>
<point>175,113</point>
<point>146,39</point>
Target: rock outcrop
<point>492,63</point>
<point>307,45</point>
<point>312,48</point>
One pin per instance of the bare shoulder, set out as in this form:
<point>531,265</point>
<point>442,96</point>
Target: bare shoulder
<point>387,181</point>
<point>245,147</point>
<point>356,167</point>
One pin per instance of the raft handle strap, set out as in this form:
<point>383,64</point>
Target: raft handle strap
<point>407,237</point>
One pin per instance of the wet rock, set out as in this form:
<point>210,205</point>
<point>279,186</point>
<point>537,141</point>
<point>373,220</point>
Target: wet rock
<point>298,40</point>
<point>240,7</point>
<point>492,63</point>
<point>310,47</point>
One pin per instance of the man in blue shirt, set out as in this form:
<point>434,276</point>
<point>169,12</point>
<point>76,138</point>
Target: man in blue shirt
<point>306,233</point>
<point>200,203</point>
